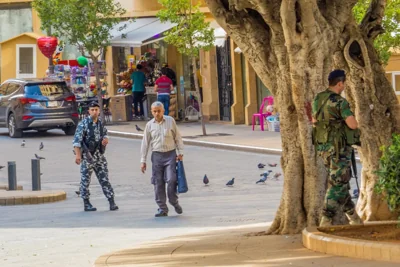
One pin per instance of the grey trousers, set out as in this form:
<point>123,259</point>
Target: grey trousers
<point>164,172</point>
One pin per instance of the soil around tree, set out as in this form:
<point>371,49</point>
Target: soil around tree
<point>381,232</point>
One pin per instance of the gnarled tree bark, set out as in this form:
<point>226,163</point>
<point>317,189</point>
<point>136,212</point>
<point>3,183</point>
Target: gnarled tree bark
<point>374,101</point>
<point>290,44</point>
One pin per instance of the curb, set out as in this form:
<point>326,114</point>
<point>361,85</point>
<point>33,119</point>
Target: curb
<point>253,149</point>
<point>216,145</point>
<point>12,198</point>
<point>322,242</point>
<point>5,187</point>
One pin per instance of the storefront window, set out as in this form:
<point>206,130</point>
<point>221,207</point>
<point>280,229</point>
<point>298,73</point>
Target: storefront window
<point>158,49</point>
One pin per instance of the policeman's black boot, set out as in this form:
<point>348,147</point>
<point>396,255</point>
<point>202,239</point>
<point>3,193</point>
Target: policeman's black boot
<point>88,206</point>
<point>113,206</point>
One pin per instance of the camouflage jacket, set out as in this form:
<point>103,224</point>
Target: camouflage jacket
<point>330,110</point>
<point>82,133</point>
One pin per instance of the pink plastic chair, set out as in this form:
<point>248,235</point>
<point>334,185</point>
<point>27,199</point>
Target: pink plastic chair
<point>261,116</point>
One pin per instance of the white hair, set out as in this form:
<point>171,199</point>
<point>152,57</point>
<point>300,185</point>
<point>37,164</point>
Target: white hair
<point>157,104</point>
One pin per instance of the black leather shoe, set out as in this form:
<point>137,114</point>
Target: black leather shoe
<point>88,206</point>
<point>113,206</point>
<point>178,209</point>
<point>161,213</point>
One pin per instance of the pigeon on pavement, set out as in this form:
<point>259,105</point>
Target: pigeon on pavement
<point>38,157</point>
<point>23,143</point>
<point>266,173</point>
<point>261,166</point>
<point>41,146</point>
<point>272,164</point>
<point>138,128</point>
<point>78,193</point>
<point>355,193</point>
<point>231,182</point>
<point>205,179</point>
<point>276,175</point>
<point>1,167</point>
<point>262,180</point>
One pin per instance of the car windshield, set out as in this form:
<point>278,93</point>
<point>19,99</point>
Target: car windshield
<point>52,89</point>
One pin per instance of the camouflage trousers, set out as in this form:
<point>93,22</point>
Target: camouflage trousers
<point>101,170</point>
<point>337,195</point>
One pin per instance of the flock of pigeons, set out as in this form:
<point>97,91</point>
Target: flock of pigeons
<point>23,144</point>
<point>264,175</point>
<point>41,146</point>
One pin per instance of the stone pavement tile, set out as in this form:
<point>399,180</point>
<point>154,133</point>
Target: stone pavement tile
<point>230,247</point>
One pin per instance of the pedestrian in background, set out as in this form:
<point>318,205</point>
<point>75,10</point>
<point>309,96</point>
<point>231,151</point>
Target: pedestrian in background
<point>164,86</point>
<point>162,136</point>
<point>138,89</point>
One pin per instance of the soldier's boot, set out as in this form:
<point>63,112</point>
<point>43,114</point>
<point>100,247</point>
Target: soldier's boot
<point>88,206</point>
<point>354,219</point>
<point>325,221</point>
<point>113,206</point>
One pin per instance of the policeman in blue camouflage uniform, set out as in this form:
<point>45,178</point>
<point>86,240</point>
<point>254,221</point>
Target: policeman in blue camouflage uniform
<point>89,144</point>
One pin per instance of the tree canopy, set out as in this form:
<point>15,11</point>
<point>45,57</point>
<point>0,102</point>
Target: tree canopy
<point>390,37</point>
<point>84,23</point>
<point>191,32</point>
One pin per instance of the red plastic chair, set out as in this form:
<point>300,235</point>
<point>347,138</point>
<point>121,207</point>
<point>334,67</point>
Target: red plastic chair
<point>261,116</point>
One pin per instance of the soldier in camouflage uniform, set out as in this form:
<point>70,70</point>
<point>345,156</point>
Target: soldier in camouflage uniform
<point>89,144</point>
<point>331,116</point>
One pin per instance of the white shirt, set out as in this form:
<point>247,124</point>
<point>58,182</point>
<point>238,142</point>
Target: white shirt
<point>161,136</point>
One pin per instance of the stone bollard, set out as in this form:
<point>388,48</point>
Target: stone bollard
<point>36,183</point>
<point>12,175</point>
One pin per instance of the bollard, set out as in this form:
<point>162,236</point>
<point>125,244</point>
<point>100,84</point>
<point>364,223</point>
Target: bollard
<point>36,184</point>
<point>12,175</point>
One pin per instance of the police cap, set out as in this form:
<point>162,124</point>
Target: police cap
<point>94,105</point>
<point>336,74</point>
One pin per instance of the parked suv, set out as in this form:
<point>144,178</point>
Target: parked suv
<point>37,104</point>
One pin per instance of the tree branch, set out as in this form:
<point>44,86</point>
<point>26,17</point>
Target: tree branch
<point>371,25</point>
<point>255,44</point>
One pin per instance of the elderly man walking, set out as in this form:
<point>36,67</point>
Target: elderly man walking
<point>162,135</point>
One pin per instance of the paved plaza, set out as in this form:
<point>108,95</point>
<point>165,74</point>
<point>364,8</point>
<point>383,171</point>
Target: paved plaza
<point>61,234</point>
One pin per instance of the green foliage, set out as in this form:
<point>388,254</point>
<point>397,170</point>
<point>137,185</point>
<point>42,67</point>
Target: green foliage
<point>84,23</point>
<point>389,174</point>
<point>391,24</point>
<point>191,32</point>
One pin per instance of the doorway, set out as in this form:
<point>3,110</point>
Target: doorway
<point>225,80</point>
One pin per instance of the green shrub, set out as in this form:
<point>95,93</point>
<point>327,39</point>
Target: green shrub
<point>389,174</point>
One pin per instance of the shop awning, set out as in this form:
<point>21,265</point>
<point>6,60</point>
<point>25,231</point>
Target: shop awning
<point>139,32</point>
<point>219,34</point>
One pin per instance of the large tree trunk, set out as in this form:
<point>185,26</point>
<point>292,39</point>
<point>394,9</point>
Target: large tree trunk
<point>290,45</point>
<point>375,104</point>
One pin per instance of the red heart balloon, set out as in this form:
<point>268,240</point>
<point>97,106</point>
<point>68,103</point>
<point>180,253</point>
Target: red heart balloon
<point>47,45</point>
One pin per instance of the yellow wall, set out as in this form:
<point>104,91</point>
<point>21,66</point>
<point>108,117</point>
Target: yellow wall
<point>394,63</point>
<point>9,56</point>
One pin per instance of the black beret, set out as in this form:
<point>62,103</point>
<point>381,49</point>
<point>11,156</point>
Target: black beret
<point>93,105</point>
<point>336,74</point>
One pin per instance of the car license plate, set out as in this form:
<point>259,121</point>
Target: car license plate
<point>52,104</point>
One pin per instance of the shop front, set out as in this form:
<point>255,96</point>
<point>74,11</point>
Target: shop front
<point>142,43</point>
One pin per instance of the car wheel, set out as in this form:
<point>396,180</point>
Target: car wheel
<point>69,130</point>
<point>13,131</point>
